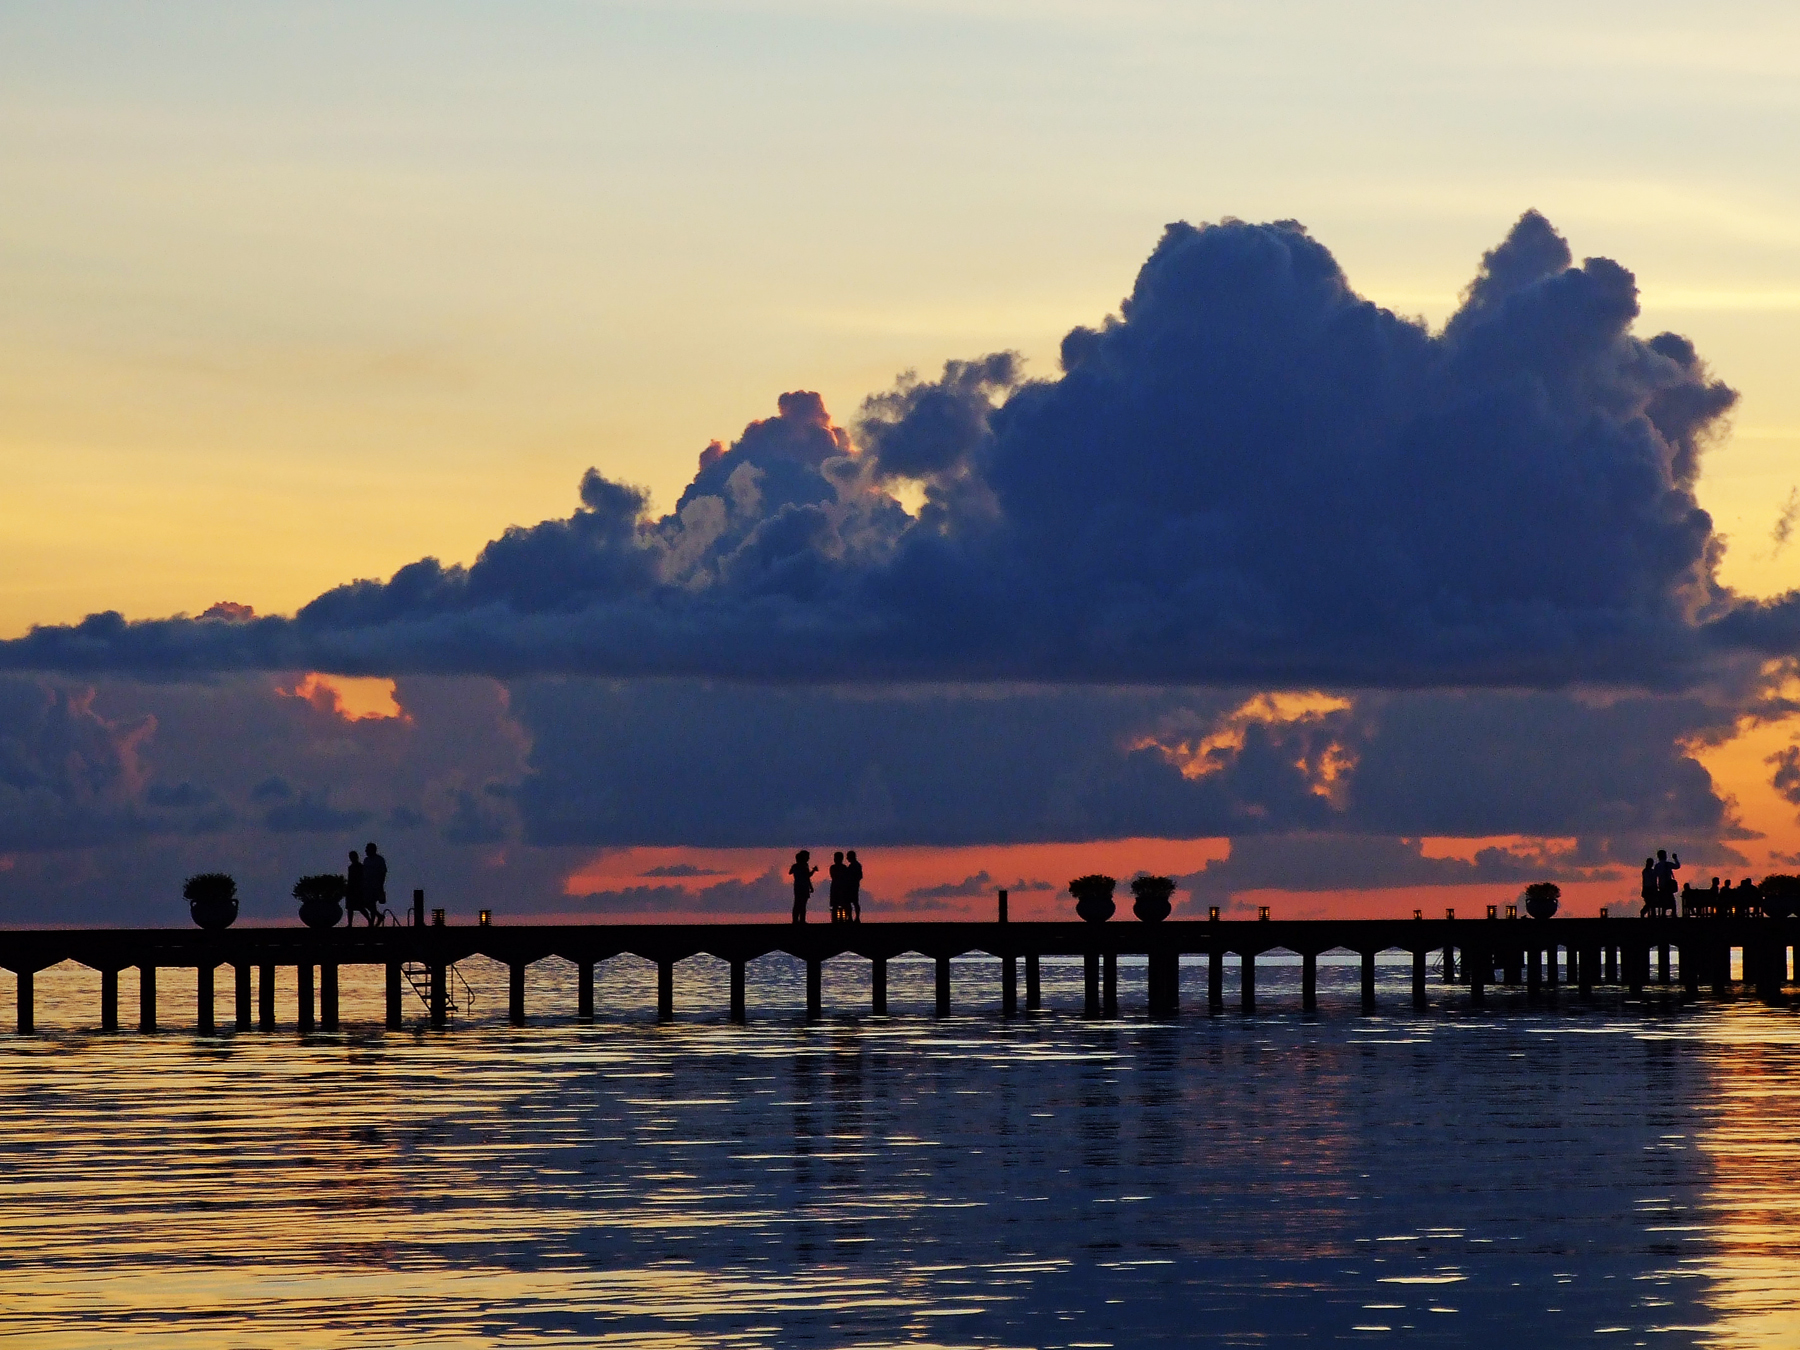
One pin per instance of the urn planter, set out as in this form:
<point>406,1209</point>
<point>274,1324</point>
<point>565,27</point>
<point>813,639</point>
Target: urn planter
<point>1151,903</point>
<point>1542,899</point>
<point>321,900</point>
<point>1093,897</point>
<point>212,900</point>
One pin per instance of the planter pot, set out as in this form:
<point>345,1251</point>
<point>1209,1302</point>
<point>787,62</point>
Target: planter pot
<point>214,914</point>
<point>1152,906</point>
<point>1541,909</point>
<point>320,913</point>
<point>1095,906</point>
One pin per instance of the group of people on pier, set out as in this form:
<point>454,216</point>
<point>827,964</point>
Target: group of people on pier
<point>1776,897</point>
<point>845,874</point>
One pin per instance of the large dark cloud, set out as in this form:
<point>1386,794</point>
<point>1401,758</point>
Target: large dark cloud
<point>1250,475</point>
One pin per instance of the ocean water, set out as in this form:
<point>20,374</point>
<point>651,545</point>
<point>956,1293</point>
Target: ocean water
<point>1611,1174</point>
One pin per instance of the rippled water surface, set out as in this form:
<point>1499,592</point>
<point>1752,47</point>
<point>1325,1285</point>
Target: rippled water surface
<point>1616,1174</point>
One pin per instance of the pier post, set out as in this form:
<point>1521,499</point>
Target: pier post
<point>584,990</point>
<point>1419,966</point>
<point>243,997</point>
<point>1513,960</point>
<point>1449,963</point>
<point>1215,980</point>
<point>1090,984</point>
<point>665,991</point>
<point>1690,968</point>
<point>1534,975</point>
<point>328,997</point>
<point>27,1002</point>
<point>1589,958</point>
<point>146,998</point>
<point>1771,970</point>
<point>1164,984</point>
<point>1550,965</point>
<point>265,998</point>
<point>203,999</point>
<point>1637,967</point>
<point>1247,981</point>
<point>1662,963</point>
<point>1478,965</point>
<point>396,1017</point>
<point>1368,981</point>
<point>303,996</point>
<point>515,993</point>
<point>1610,956</point>
<point>943,986</point>
<point>1009,986</point>
<point>1309,982</point>
<point>878,986</point>
<point>1033,994</point>
<point>737,992</point>
<point>1574,953</point>
<point>109,1000</point>
<point>815,999</point>
<point>1721,964</point>
<point>440,996</point>
<point>1110,984</point>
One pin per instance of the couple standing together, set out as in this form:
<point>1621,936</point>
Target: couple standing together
<point>846,886</point>
<point>365,887</point>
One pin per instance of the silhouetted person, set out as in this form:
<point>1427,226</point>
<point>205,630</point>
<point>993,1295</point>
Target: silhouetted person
<point>1652,897</point>
<point>1749,899</point>
<point>355,902</point>
<point>1665,877</point>
<point>837,872</point>
<point>852,887</point>
<point>803,887</point>
<point>374,879</point>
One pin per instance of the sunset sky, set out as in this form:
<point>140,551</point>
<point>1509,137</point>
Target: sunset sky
<point>1315,505</point>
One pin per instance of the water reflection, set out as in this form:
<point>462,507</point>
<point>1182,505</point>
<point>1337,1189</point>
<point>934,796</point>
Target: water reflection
<point>1515,1177</point>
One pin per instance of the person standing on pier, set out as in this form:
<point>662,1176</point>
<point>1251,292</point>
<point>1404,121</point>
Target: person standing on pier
<point>837,873</point>
<point>852,887</point>
<point>374,879</point>
<point>1652,897</point>
<point>803,887</point>
<point>1665,879</point>
<point>354,901</point>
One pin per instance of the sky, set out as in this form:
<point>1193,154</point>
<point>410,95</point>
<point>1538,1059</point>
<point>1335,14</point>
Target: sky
<point>1186,438</point>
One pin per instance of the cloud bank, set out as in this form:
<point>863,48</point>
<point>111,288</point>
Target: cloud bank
<point>1249,475</point>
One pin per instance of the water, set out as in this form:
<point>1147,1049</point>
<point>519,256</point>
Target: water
<point>1612,1176</point>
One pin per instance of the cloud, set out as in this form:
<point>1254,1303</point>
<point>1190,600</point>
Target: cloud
<point>769,893</point>
<point>1249,476</point>
<point>680,870</point>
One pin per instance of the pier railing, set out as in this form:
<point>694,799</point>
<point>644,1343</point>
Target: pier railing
<point>1474,954</point>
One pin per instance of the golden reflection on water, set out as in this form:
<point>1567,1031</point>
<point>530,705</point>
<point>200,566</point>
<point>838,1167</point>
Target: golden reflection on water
<point>1509,1178</point>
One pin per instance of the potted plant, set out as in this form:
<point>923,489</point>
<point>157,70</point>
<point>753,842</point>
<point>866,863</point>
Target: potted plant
<point>1093,897</point>
<point>1542,899</point>
<point>212,899</point>
<point>1780,895</point>
<point>1152,902</point>
<point>321,900</point>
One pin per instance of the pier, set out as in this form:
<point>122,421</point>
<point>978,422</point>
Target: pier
<point>1539,959</point>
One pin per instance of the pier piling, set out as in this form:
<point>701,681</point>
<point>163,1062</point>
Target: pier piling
<point>303,997</point>
<point>146,998</point>
<point>440,996</point>
<point>1033,995</point>
<point>1215,980</point>
<point>1534,974</point>
<point>1420,958</point>
<point>203,999</point>
<point>27,1009</point>
<point>1090,984</point>
<point>815,999</point>
<point>1479,966</point>
<point>737,992</point>
<point>584,990</point>
<point>1247,981</point>
<point>1368,981</point>
<point>109,998</point>
<point>943,986</point>
<point>1449,964</point>
<point>665,991</point>
<point>1110,979</point>
<point>328,996</point>
<point>1309,982</point>
<point>515,993</point>
<point>396,1013</point>
<point>878,986</point>
<point>1009,985</point>
<point>241,999</point>
<point>265,998</point>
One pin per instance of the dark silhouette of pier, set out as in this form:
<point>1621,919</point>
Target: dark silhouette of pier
<point>1538,958</point>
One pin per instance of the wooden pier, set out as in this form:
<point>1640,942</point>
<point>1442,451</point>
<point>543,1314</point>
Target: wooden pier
<point>1538,958</point>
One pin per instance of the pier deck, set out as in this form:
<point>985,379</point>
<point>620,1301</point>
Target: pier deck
<point>1477,953</point>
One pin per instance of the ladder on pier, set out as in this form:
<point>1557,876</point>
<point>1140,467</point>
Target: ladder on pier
<point>458,997</point>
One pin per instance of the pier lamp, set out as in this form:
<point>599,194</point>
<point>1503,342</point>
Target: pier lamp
<point>1493,911</point>
<point>485,918</point>
<point>1418,914</point>
<point>1262,911</point>
<point>1512,911</point>
<point>437,918</point>
<point>1449,914</point>
<point>1212,913</point>
<point>1603,911</point>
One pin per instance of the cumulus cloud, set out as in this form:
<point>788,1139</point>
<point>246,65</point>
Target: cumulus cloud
<point>1249,475</point>
<point>769,893</point>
